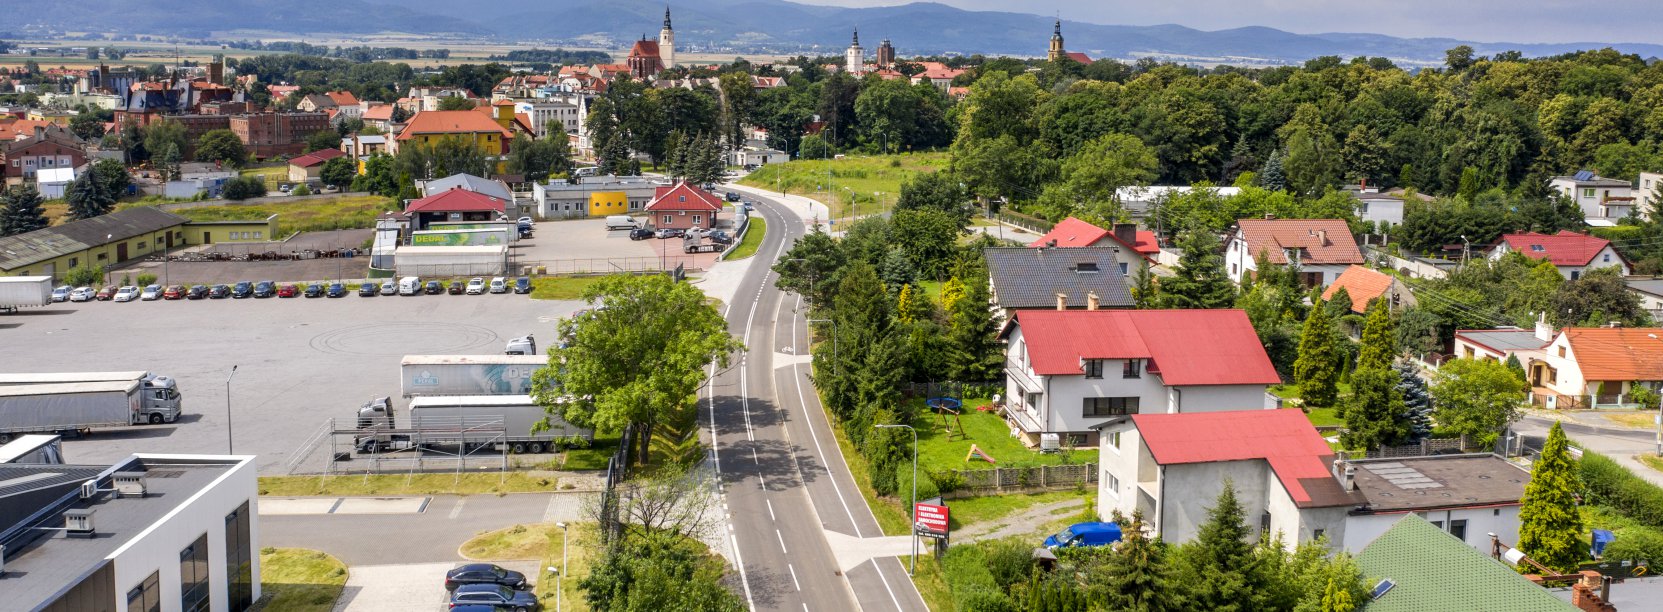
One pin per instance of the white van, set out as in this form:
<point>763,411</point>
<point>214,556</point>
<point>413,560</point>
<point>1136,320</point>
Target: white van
<point>620,222</point>
<point>410,285</point>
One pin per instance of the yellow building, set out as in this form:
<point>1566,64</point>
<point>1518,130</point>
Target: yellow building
<point>603,203</point>
<point>213,232</point>
<point>427,128</point>
<point>100,241</point>
<point>55,117</point>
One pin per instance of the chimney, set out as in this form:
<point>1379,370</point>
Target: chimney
<point>130,484</point>
<point>1126,233</point>
<point>1544,332</point>
<point>40,132</point>
<point>1062,301</point>
<point>1345,473</point>
<point>1092,301</point>
<point>1270,216</point>
<point>1322,237</point>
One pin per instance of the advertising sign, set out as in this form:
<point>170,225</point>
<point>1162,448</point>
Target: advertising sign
<point>931,520</point>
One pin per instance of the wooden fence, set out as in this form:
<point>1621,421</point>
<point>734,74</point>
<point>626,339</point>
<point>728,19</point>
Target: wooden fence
<point>1024,479</point>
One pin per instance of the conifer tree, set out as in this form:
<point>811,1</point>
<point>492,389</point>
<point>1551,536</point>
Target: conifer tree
<point>1317,370</point>
<point>1216,562</point>
<point>1375,415</point>
<point>1139,576</point>
<point>1417,400</point>
<point>1200,280</point>
<point>1379,339</point>
<point>86,197</point>
<point>973,332</point>
<point>1550,526</point>
<point>1336,599</point>
<point>22,212</point>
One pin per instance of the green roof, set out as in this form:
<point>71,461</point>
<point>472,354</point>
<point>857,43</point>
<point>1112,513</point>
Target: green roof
<point>1435,572</point>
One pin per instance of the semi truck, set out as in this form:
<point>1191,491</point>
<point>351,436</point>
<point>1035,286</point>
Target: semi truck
<point>76,408</point>
<point>160,400</point>
<point>469,374</point>
<point>498,421</point>
<point>24,292</point>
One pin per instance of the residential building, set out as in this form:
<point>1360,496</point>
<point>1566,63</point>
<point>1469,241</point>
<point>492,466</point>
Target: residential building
<point>427,128</point>
<point>749,156</point>
<point>1650,291</point>
<point>273,134</point>
<point>1503,343</point>
<point>1364,286</point>
<point>542,113</point>
<point>1378,207</point>
<point>1138,201</point>
<point>51,182</point>
<point>1321,249</point>
<point>1590,367</point>
<point>364,145</point>
<point>1604,201</point>
<point>938,75</point>
<point>380,117</point>
<point>1133,248</point>
<point>426,99</point>
<point>150,532</point>
<point>477,184</point>
<point>1173,467</point>
<point>1069,370</point>
<point>1467,496</point>
<point>1429,571</point>
<point>594,196</point>
<point>1572,253</point>
<point>100,241</point>
<point>1058,279</point>
<point>854,58</point>
<point>308,168</point>
<point>49,147</point>
<point>455,204</point>
<point>315,103</point>
<point>1646,196</point>
<point>683,206</point>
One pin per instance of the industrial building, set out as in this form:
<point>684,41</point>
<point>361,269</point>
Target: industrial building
<point>595,196</point>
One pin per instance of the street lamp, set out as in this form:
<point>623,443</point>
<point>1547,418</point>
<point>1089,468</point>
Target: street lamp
<point>560,577</point>
<point>229,448</point>
<point>836,363</point>
<point>913,566</point>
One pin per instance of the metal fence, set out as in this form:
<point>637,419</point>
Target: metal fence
<point>606,265</point>
<point>1027,222</point>
<point>617,468</point>
<point>1428,446</point>
<point>1024,479</point>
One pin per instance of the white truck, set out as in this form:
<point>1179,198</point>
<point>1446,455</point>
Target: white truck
<point>24,292</point>
<point>78,407</point>
<point>469,374</point>
<point>500,421</point>
<point>160,400</point>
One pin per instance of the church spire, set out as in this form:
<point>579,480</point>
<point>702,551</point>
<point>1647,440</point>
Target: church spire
<point>666,16</point>
<point>857,37</point>
<point>1056,30</point>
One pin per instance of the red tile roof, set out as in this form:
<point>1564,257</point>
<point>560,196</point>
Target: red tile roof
<point>1186,347</point>
<point>1072,232</point>
<point>316,157</point>
<point>1272,236</point>
<point>644,48</point>
<point>455,200</point>
<point>1362,284</point>
<point>683,196</point>
<point>1079,57</point>
<point>451,122</point>
<point>343,98</point>
<point>1622,353</point>
<point>1566,248</point>
<point>1283,438</point>
<point>380,112</point>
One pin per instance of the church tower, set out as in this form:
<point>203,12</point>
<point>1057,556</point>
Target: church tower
<point>1057,52</point>
<point>667,41</point>
<point>855,57</point>
<point>886,55</point>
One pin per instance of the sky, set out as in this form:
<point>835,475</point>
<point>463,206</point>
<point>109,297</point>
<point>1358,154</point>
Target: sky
<point>1525,21</point>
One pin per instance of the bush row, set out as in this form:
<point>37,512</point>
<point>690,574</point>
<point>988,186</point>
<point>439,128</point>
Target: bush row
<point>1610,484</point>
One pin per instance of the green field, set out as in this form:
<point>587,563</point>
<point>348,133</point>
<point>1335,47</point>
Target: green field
<point>988,432</point>
<point>561,287</point>
<point>855,181</point>
<point>311,215</point>
<point>753,239</point>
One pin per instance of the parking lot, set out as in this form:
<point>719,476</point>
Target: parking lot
<point>300,361</point>
<point>583,245</point>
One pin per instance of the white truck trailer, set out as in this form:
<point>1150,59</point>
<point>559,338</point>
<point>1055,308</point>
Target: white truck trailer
<point>24,292</point>
<point>160,399</point>
<point>470,420</point>
<point>469,374</point>
<point>76,408</point>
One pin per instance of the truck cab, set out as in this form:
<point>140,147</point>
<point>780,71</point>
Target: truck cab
<point>374,416</point>
<point>161,401</point>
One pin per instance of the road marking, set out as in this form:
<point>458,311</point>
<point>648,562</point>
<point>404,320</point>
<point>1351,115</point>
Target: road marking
<point>797,376</point>
<point>548,511</point>
<point>762,481</point>
<point>777,534</point>
<point>794,582</point>
<point>753,456</point>
<point>456,510</point>
<point>770,503</point>
<point>740,561</point>
<point>885,580</point>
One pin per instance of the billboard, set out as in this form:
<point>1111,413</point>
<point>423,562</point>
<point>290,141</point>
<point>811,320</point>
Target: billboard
<point>930,520</point>
<point>460,237</point>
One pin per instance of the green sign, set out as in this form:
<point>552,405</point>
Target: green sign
<point>458,238</point>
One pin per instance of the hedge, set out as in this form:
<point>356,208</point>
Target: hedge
<point>1610,484</point>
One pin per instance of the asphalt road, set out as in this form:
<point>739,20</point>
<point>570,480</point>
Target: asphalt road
<point>785,483</point>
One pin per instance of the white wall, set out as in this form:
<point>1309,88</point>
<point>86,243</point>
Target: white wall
<point>1361,529</point>
<point>1236,259</point>
<point>1217,398</point>
<point>1191,488</point>
<point>158,547</point>
<point>1389,210</point>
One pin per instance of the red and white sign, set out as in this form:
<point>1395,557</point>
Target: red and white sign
<point>930,520</point>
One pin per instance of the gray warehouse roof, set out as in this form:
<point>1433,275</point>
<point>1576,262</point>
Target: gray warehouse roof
<point>1032,278</point>
<point>41,245</point>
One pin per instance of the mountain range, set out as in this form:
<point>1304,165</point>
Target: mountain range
<point>756,26</point>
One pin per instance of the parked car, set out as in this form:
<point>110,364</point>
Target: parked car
<point>314,290</point>
<point>503,598</point>
<point>174,292</point>
<point>484,573</point>
<point>720,236</point>
<point>151,293</point>
<point>476,286</point>
<point>456,287</point>
<point>367,290</point>
<point>61,293</point>
<point>219,292</point>
<point>669,232</point>
<point>241,290</point>
<point>499,285</point>
<point>389,288</point>
<point>435,287</point>
<point>522,284</point>
<point>126,294</point>
<point>82,294</point>
<point>640,233</point>
<point>337,290</point>
<point>1085,534</point>
<point>106,294</point>
<point>197,292</point>
<point>265,289</point>
<point>288,290</point>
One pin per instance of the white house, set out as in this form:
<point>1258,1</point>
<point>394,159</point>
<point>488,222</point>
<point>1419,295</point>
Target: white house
<point>1574,254</point>
<point>53,181</point>
<point>1604,201</point>
<point>1069,370</point>
<point>1645,197</point>
<point>759,157</point>
<point>1596,366</point>
<point>1322,249</point>
<point>1379,207</point>
<point>1139,200</point>
<point>1650,292</point>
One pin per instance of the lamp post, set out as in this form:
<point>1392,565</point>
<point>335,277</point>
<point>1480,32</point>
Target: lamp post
<point>837,364</point>
<point>230,449</point>
<point>560,578</point>
<point>913,565</point>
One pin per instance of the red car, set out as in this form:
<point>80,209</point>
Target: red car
<point>286,291</point>
<point>174,292</point>
<point>106,294</point>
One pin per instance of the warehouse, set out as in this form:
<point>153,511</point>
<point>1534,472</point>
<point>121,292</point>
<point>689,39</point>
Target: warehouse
<point>595,196</point>
<point>105,240</point>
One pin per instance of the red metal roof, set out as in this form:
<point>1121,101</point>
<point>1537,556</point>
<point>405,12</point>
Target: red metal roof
<point>1186,347</point>
<point>455,200</point>
<point>316,157</point>
<point>1283,438</point>
<point>1566,248</point>
<point>1072,232</point>
<point>683,196</point>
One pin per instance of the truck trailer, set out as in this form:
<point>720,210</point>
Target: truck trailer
<point>24,292</point>
<point>500,421</point>
<point>160,401</point>
<point>76,408</point>
<point>469,374</point>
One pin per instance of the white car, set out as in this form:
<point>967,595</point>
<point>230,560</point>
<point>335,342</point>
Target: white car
<point>476,286</point>
<point>499,285</point>
<point>61,293</point>
<point>83,294</point>
<point>126,294</point>
<point>151,293</point>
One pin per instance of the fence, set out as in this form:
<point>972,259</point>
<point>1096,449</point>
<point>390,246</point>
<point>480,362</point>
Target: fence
<point>1024,479</point>
<point>607,265</point>
<point>617,468</point>
<point>1027,222</point>
<point>1428,446</point>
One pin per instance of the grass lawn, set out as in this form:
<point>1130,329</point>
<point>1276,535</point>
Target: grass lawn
<point>1323,417</point>
<point>469,483</point>
<point>988,432</point>
<point>932,289</point>
<point>592,458</point>
<point>313,215</point>
<point>1639,419</point>
<point>1651,461</point>
<point>932,584</point>
<point>753,239</point>
<point>854,180</point>
<point>544,542</point>
<point>972,510</point>
<point>530,541</point>
<point>561,287</point>
<point>300,580</point>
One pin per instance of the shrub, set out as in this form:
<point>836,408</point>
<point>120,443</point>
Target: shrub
<point>903,482</point>
<point>243,188</point>
<point>947,481</point>
<point>1613,485</point>
<point>84,276</point>
<point>980,598</point>
<point>301,190</point>
<point>147,279</point>
<point>1636,543</point>
<point>1009,561</point>
<point>1646,398</point>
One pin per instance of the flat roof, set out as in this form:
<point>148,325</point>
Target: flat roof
<point>1504,339</point>
<point>41,570</point>
<point>1424,483</point>
<point>97,386</point>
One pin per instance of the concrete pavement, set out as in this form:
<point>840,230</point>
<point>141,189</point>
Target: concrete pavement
<point>432,534</point>
<point>1619,443</point>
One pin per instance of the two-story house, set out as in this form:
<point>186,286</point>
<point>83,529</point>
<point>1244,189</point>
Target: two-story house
<point>50,147</point>
<point>1589,367</point>
<point>1069,370</point>
<point>1574,254</point>
<point>1321,249</point>
<point>1133,248</point>
<point>1060,279</point>
<point>1603,201</point>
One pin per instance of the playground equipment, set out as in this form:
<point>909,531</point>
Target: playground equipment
<point>944,407</point>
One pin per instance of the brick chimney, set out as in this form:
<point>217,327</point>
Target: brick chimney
<point>1062,301</point>
<point>40,132</point>
<point>1092,302</point>
<point>1544,332</point>
<point>1584,597</point>
<point>1322,237</point>
<point>1126,233</point>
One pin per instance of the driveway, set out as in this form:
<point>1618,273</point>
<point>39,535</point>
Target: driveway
<point>409,586</point>
<point>429,532</point>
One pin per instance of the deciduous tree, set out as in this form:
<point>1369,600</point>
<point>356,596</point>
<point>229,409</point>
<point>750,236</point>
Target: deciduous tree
<point>221,146</point>
<point>1476,397</point>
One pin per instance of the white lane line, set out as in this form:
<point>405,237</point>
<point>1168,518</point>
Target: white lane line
<point>811,432</point>
<point>753,456</point>
<point>548,511</point>
<point>777,534</point>
<point>794,582</point>
<point>885,580</point>
<point>762,482</point>
<point>770,503</point>
<point>739,559</point>
<point>456,510</point>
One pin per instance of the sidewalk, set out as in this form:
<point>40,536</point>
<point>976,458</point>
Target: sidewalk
<point>1595,432</point>
<point>811,210</point>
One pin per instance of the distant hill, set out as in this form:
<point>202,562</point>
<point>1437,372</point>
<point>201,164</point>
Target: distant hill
<point>758,25</point>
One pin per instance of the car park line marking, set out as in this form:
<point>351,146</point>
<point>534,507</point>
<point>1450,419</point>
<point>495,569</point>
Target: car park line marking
<point>337,505</point>
<point>794,582</point>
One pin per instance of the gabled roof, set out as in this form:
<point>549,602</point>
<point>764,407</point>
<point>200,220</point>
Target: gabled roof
<point>455,200</point>
<point>1503,340</point>
<point>1320,241</point>
<point>644,48</point>
<point>1186,347</point>
<point>43,244</point>
<point>1079,57</point>
<point>683,196</point>
<point>451,122</point>
<point>316,157</point>
<point>1434,572</point>
<point>320,101</point>
<point>476,184</point>
<point>1072,232</point>
<point>1566,248</point>
<point>381,112</point>
<point>1622,353</point>
<point>1032,278</point>
<point>1362,284</point>
<point>342,98</point>
<point>1283,438</point>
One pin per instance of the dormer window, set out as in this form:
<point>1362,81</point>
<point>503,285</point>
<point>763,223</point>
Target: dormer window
<point>1537,248</point>
<point>1085,267</point>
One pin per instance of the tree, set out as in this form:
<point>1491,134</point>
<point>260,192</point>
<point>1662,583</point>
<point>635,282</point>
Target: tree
<point>1336,599</point>
<point>973,334</point>
<point>1476,397</point>
<point>1215,563</point>
<point>158,135</point>
<point>639,361</point>
<point>1317,370</point>
<point>1550,525</point>
<point>243,188</point>
<point>1095,174</point>
<point>935,190</point>
<point>1598,297</point>
<point>1272,176</point>
<point>928,237</point>
<point>539,159</point>
<point>322,139</point>
<point>614,157</point>
<point>23,212</point>
<point>1417,400</point>
<point>1375,414</point>
<point>455,103</point>
<point>811,268</point>
<point>113,176</point>
<point>339,172</point>
<point>221,146</point>
<point>87,198</point>
<point>87,126</point>
<point>168,161</point>
<point>1379,339</point>
<point>1459,58</point>
<point>1199,281</point>
<point>1138,575</point>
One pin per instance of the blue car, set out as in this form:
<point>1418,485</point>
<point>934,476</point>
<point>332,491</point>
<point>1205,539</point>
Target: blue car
<point>1085,534</point>
<point>337,290</point>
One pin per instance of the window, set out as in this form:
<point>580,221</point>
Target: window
<point>1316,534</point>
<point>668,219</point>
<point>697,219</point>
<point>1576,274</point>
<point>1132,369</point>
<point>1094,368</point>
<point>1033,400</point>
<point>193,576</point>
<point>1458,528</point>
<point>147,596</point>
<point>1114,441</point>
<point>1561,349</point>
<point>256,235</point>
<point>1085,267</point>
<point>1438,524</point>
<point>1075,440</point>
<point>1124,269</point>
<point>1588,193</point>
<point>1606,257</point>
<point>1109,406</point>
<point>76,261</point>
<point>684,198</point>
<point>1114,484</point>
<point>1264,523</point>
<point>238,560</point>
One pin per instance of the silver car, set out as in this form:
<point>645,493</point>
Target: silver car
<point>126,294</point>
<point>61,293</point>
<point>389,288</point>
<point>151,293</point>
<point>82,294</point>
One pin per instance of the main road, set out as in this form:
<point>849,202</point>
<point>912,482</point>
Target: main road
<point>799,528</point>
